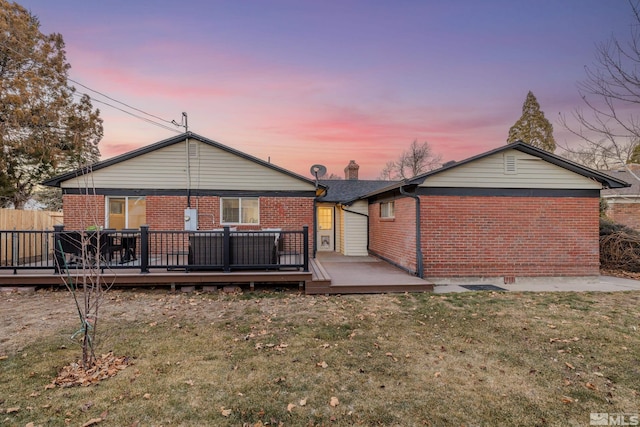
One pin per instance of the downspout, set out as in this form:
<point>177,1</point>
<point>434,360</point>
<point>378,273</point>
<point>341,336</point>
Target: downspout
<point>315,226</point>
<point>419,266</point>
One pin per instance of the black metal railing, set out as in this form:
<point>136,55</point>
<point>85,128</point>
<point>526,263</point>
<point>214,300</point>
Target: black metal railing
<point>228,250</point>
<point>26,247</point>
<point>145,249</point>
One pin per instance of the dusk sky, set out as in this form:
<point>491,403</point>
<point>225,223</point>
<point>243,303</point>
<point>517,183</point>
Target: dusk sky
<point>304,82</point>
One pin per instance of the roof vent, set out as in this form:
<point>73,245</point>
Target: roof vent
<point>510,164</point>
<point>193,149</point>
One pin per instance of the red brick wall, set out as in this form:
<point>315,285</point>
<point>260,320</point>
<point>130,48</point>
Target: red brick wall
<point>625,213</point>
<point>510,236</point>
<point>167,212</point>
<point>81,211</point>
<point>394,239</point>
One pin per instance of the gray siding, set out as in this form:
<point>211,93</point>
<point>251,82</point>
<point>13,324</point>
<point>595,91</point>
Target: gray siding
<point>212,168</point>
<point>531,172</point>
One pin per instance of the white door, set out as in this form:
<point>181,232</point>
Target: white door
<point>325,228</point>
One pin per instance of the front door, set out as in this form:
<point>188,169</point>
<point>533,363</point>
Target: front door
<point>325,228</point>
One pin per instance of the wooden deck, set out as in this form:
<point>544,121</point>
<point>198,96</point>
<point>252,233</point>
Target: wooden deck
<point>158,277</point>
<point>329,276</point>
<point>334,273</point>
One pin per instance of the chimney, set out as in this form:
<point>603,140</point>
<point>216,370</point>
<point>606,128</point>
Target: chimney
<point>351,171</point>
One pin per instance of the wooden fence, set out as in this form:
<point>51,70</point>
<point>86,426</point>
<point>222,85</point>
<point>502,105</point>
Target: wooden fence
<point>12,219</point>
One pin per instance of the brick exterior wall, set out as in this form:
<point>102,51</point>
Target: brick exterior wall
<point>625,213</point>
<point>493,236</point>
<point>82,211</point>
<point>167,213</point>
<point>510,236</point>
<point>394,239</point>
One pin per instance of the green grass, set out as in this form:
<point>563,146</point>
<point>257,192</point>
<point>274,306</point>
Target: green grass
<point>414,359</point>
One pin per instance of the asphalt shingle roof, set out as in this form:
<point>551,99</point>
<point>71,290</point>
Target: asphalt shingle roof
<point>348,190</point>
<point>626,176</point>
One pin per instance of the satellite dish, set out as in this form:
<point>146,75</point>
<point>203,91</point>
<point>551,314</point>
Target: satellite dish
<point>318,171</point>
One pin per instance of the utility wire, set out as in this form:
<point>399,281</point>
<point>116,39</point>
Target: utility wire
<point>4,45</point>
<point>119,102</point>
<point>79,95</point>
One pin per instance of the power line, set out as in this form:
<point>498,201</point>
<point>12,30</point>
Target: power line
<point>119,102</point>
<point>110,98</point>
<point>78,94</point>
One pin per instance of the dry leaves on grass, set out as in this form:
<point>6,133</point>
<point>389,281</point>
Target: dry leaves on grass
<point>107,365</point>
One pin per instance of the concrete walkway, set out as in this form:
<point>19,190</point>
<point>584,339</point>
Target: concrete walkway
<point>542,284</point>
<point>350,270</point>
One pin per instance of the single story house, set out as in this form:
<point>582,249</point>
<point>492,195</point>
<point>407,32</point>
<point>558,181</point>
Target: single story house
<point>623,204</point>
<point>187,182</point>
<point>513,211</point>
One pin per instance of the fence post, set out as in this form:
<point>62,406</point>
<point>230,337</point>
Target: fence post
<point>57,248</point>
<point>15,250</point>
<point>305,231</point>
<point>144,248</point>
<point>226,250</point>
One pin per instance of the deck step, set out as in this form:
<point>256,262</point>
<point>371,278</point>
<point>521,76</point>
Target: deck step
<point>318,272</point>
<point>372,289</point>
<point>320,280</point>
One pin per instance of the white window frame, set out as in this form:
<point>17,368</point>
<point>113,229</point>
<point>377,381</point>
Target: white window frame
<point>222,221</point>
<point>388,210</point>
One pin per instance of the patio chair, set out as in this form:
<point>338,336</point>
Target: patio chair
<point>128,241</point>
<point>71,245</point>
<point>109,244</point>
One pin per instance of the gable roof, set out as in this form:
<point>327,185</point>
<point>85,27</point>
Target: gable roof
<point>57,180</point>
<point>348,190</point>
<point>606,180</point>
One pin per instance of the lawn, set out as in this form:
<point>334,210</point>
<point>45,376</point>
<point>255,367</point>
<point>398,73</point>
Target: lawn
<point>280,358</point>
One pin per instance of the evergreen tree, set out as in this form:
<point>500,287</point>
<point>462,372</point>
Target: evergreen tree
<point>45,126</point>
<point>532,127</point>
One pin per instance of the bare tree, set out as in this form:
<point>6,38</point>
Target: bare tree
<point>419,158</point>
<point>603,155</point>
<point>388,173</point>
<point>609,125</point>
<point>84,277</point>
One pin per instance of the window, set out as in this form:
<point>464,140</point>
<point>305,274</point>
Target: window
<point>387,210</point>
<point>240,210</point>
<point>325,218</point>
<point>126,212</point>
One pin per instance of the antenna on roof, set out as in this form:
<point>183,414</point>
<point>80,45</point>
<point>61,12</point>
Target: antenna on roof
<point>318,171</point>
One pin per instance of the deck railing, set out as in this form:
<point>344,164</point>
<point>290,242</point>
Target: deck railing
<point>144,249</point>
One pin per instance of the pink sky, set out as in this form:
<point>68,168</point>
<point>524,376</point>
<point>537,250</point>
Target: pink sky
<point>304,82</point>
